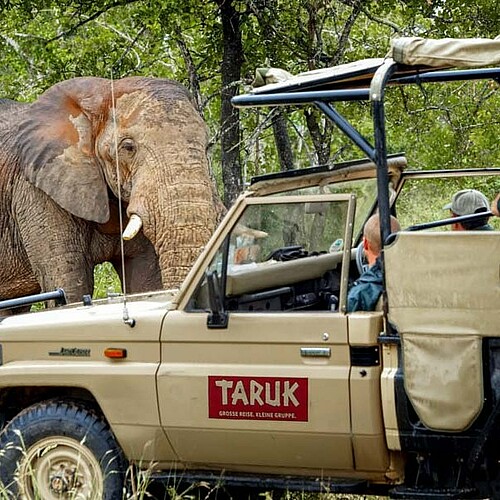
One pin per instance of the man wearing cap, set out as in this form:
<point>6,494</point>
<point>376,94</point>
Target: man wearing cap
<point>495,206</point>
<point>468,202</point>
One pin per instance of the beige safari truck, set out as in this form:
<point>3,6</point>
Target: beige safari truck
<point>254,373</point>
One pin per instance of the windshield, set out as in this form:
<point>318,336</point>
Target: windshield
<point>365,191</point>
<point>262,230</point>
<point>277,245</point>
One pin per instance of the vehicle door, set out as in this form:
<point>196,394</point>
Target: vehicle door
<point>256,361</point>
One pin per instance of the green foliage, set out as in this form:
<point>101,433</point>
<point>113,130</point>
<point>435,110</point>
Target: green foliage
<point>105,280</point>
<point>457,18</point>
<point>445,126</point>
<point>423,200</point>
<point>43,42</point>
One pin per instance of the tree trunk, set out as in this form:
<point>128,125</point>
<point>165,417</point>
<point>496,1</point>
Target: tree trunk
<point>282,140</point>
<point>232,56</point>
<point>320,138</point>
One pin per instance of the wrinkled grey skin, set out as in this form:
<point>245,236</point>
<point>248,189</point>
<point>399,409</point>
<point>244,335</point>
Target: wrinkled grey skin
<point>59,185</point>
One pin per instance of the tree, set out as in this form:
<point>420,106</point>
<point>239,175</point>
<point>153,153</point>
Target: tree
<point>232,55</point>
<point>214,48</point>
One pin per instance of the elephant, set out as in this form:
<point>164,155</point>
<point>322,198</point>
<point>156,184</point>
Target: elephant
<point>68,158</point>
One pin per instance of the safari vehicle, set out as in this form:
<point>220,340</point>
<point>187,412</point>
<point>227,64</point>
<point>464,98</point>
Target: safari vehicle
<point>253,373</point>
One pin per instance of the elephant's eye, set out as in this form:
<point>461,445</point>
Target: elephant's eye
<point>128,146</point>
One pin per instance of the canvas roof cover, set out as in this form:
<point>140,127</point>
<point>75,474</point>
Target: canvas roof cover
<point>413,55</point>
<point>446,52</point>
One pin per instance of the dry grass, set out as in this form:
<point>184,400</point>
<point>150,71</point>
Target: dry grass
<point>206,492</point>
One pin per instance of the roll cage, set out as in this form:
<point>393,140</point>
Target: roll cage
<point>364,80</point>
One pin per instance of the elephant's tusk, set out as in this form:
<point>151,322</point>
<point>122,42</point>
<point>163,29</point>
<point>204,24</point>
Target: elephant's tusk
<point>133,227</point>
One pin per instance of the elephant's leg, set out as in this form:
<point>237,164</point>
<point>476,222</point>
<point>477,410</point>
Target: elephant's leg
<point>142,270</point>
<point>17,279</point>
<point>68,270</point>
<point>45,269</point>
<point>56,245</point>
<point>16,276</point>
<point>63,267</point>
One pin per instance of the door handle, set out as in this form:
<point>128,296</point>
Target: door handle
<point>315,352</point>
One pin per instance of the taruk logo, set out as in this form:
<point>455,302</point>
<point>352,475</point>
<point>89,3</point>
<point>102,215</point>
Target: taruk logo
<point>258,398</point>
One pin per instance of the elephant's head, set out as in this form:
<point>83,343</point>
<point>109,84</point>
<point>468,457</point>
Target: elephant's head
<point>149,149</point>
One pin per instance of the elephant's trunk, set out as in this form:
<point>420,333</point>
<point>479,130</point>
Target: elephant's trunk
<point>170,189</point>
<point>181,233</point>
<point>178,216</point>
<point>178,251</point>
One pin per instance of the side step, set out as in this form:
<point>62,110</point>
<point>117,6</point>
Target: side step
<point>432,493</point>
<point>264,483</point>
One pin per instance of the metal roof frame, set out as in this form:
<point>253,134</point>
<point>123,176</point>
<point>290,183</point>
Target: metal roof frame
<point>367,84</point>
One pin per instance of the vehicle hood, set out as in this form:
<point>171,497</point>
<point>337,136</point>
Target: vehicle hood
<point>104,318</point>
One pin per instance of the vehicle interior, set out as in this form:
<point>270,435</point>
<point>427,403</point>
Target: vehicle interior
<point>298,266</point>
<point>287,254</point>
<point>284,255</point>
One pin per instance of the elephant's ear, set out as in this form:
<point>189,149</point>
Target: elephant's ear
<point>56,147</point>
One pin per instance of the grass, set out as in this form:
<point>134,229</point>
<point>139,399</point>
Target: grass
<point>197,492</point>
<point>141,487</point>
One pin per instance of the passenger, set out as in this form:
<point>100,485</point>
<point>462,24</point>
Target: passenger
<point>495,206</point>
<point>468,202</point>
<point>364,293</point>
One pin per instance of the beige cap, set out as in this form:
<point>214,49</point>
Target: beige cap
<point>467,202</point>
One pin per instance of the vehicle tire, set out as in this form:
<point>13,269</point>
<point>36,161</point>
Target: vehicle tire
<point>56,450</point>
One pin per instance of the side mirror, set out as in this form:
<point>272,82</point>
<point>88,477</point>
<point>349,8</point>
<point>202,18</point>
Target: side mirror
<point>218,317</point>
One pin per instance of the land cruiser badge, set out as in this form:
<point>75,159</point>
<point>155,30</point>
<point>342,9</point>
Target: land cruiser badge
<point>72,352</point>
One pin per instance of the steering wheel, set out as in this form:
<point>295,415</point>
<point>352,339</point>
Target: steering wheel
<point>287,253</point>
<point>361,262</point>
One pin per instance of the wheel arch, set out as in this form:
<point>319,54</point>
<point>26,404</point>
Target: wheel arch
<point>16,398</point>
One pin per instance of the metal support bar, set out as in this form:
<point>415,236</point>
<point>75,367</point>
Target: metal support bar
<point>288,98</point>
<point>347,129</point>
<point>377,91</point>
<point>448,222</point>
<point>449,76</point>
<point>57,295</point>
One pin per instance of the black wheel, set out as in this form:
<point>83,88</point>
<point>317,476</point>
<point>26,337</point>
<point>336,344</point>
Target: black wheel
<point>57,450</point>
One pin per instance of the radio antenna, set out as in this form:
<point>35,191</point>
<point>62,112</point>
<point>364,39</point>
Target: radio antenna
<point>126,318</point>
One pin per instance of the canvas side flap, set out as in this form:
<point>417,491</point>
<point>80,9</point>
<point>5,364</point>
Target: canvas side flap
<point>443,379</point>
<point>446,52</point>
<point>443,291</point>
<point>444,282</point>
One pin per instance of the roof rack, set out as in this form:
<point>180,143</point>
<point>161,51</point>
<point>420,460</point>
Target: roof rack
<point>367,80</point>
